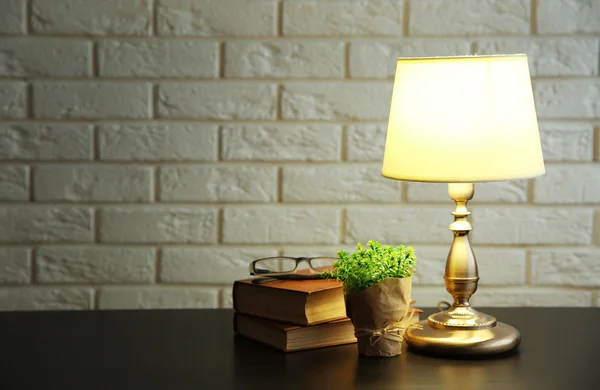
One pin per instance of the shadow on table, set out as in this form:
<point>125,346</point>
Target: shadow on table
<point>258,366</point>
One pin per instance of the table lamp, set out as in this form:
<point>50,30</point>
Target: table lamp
<point>461,120</point>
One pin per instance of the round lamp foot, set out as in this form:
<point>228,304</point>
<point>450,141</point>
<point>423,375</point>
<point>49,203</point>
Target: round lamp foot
<point>499,339</point>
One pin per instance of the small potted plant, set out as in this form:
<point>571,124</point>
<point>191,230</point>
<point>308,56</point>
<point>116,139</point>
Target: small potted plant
<point>377,284</point>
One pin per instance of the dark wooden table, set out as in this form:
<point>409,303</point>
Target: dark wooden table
<point>196,349</point>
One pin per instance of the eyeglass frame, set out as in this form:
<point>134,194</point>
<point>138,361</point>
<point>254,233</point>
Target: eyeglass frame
<point>289,274</point>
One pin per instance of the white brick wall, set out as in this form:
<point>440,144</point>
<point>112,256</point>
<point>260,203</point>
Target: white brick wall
<point>150,149</point>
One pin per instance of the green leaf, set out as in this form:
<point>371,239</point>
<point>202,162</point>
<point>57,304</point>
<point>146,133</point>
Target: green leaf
<point>367,266</point>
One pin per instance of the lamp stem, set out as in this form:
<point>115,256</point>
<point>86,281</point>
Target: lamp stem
<point>461,274</point>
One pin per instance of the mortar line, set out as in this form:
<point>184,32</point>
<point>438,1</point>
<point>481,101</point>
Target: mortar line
<point>404,192</point>
<point>33,265</point>
<point>157,264</point>
<point>96,299</point>
<point>279,185</point>
<point>261,81</point>
<point>343,215</point>
<point>596,143</point>
<point>156,185</point>
<point>473,47</point>
<point>154,18</point>
<point>219,143</point>
<point>406,18</point>
<point>344,144</point>
<point>219,225</point>
<point>154,102</point>
<point>595,298</point>
<point>220,300</point>
<point>30,189</point>
<point>27,12</point>
<point>346,60</point>
<point>528,267</point>
<point>530,190</point>
<point>95,143</point>
<point>533,18</point>
<point>94,60</point>
<point>221,60</point>
<point>29,101</point>
<point>278,97</point>
<point>272,37</point>
<point>95,225</point>
<point>279,21</point>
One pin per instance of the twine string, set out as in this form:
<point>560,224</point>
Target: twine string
<point>394,331</point>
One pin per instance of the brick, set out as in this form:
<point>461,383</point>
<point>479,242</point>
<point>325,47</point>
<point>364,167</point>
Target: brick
<point>529,297</point>
<point>45,224</point>
<point>26,57</point>
<point>567,99</point>
<point>157,297</point>
<point>567,141</point>
<point>285,225</point>
<point>568,16</point>
<point>226,298</point>
<point>338,183</point>
<point>218,184</point>
<point>549,57</point>
<point>12,99</point>
<point>46,298</point>
<point>398,225</point>
<point>429,297</point>
<point>501,191</point>
<point>316,251</point>
<point>41,141</point>
<point>340,17</point>
<point>284,59</point>
<point>90,17</point>
<point>95,265</point>
<point>15,265</point>
<point>92,183</point>
<point>158,58</point>
<point>217,17</point>
<point>577,267</point>
<point>336,101</point>
<point>379,58</point>
<point>12,18</point>
<point>366,142</point>
<point>208,265</point>
<point>14,182</point>
<point>519,225</point>
<point>568,184</point>
<point>217,100</point>
<point>91,100</point>
<point>448,17</point>
<point>158,142</point>
<point>157,224</point>
<point>281,142</point>
<point>497,267</point>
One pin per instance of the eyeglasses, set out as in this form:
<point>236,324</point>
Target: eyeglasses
<point>282,267</point>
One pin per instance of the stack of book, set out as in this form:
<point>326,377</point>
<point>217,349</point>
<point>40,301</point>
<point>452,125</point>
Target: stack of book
<point>294,315</point>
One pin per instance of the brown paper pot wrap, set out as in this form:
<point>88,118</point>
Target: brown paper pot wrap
<point>377,308</point>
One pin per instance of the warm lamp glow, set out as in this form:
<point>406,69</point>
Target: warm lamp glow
<point>462,120</point>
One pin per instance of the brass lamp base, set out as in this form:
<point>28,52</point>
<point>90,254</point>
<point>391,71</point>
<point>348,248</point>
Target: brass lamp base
<point>462,330</point>
<point>496,340</point>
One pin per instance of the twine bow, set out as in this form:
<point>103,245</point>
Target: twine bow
<point>394,331</point>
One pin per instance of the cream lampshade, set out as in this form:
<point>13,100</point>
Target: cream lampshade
<point>461,120</point>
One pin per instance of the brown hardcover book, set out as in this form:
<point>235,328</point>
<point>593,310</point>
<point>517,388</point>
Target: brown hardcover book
<point>301,302</point>
<point>289,338</point>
